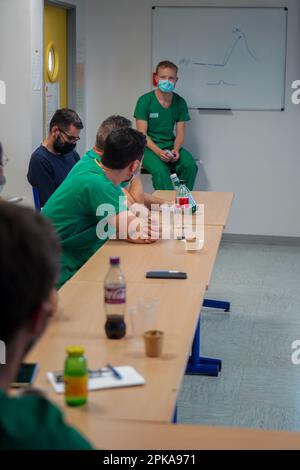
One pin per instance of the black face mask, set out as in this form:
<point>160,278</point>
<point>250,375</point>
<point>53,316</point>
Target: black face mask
<point>63,147</point>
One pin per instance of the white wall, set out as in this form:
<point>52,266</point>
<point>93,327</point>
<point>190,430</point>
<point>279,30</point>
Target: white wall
<point>80,105</point>
<point>21,118</point>
<point>254,154</point>
<point>15,70</point>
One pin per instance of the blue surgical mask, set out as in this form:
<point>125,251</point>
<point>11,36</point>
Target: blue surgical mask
<point>166,86</point>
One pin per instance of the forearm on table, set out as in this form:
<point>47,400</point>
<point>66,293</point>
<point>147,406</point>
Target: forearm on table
<point>130,199</point>
<point>136,190</point>
<point>154,200</point>
<point>134,229</point>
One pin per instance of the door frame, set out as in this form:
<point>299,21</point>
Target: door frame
<point>71,48</point>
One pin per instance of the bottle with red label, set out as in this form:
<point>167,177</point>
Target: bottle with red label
<point>176,185</point>
<point>182,196</point>
<point>115,301</point>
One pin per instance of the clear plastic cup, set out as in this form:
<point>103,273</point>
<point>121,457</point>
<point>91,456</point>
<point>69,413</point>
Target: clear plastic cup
<point>148,309</point>
<point>143,315</point>
<point>193,244</point>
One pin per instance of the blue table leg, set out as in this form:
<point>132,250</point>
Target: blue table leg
<point>198,365</point>
<point>174,420</point>
<point>217,304</point>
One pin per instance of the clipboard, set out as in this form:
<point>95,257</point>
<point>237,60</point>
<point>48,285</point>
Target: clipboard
<point>130,378</point>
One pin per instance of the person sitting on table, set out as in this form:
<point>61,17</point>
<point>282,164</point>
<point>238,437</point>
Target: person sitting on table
<point>52,161</point>
<point>133,190</point>
<point>29,253</point>
<point>157,113</point>
<point>90,207</point>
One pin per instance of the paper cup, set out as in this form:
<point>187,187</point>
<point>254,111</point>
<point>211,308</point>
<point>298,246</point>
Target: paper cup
<point>153,343</point>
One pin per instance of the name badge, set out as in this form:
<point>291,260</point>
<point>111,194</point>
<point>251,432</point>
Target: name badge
<point>154,115</point>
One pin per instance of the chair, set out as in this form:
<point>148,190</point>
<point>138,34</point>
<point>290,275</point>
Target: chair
<point>36,199</point>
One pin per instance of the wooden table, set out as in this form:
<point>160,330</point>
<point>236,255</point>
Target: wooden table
<point>120,435</point>
<point>80,320</point>
<point>136,260</point>
<point>216,204</point>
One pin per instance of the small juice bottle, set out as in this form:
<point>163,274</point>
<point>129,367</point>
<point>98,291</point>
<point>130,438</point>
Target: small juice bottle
<point>75,377</point>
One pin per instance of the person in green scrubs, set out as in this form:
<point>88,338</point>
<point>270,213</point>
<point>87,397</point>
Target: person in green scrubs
<point>29,253</point>
<point>134,191</point>
<point>90,205</point>
<point>157,114</point>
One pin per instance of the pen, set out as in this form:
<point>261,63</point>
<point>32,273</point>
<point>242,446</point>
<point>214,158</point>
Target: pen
<point>114,371</point>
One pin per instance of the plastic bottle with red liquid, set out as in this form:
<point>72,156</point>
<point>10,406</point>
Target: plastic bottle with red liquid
<point>115,300</point>
<point>176,185</point>
<point>182,196</point>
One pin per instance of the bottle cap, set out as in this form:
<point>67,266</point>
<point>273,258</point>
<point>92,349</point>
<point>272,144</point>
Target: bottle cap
<point>114,260</point>
<point>173,176</point>
<point>75,351</point>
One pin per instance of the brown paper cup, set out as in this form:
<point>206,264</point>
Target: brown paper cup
<point>153,343</point>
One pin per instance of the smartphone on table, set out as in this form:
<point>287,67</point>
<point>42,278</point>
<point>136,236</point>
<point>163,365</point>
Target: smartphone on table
<point>26,375</point>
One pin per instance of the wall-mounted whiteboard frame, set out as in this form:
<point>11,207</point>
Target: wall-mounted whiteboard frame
<point>228,57</point>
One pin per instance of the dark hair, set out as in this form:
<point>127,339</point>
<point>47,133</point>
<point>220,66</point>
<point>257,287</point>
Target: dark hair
<point>122,147</point>
<point>64,118</point>
<point>166,64</point>
<point>29,257</point>
<point>1,155</point>
<point>107,126</point>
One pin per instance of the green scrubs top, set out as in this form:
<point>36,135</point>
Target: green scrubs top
<point>161,121</point>
<point>73,212</point>
<point>90,154</point>
<point>33,423</point>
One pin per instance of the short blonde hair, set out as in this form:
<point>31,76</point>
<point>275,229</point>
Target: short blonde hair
<point>164,64</point>
<point>109,125</point>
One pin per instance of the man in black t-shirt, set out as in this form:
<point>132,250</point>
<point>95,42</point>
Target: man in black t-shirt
<point>53,160</point>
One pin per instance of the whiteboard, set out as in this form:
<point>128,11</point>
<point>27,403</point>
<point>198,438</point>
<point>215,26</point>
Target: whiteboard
<point>228,58</point>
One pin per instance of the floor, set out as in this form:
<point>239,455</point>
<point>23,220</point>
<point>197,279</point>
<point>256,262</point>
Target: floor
<point>259,387</point>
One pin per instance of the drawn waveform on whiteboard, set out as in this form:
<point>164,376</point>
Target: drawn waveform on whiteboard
<point>221,82</point>
<point>241,37</point>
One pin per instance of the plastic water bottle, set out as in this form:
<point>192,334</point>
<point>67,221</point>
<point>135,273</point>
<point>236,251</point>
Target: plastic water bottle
<point>75,377</point>
<point>115,300</point>
<point>175,181</point>
<point>182,196</point>
<point>192,202</point>
<point>176,184</point>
